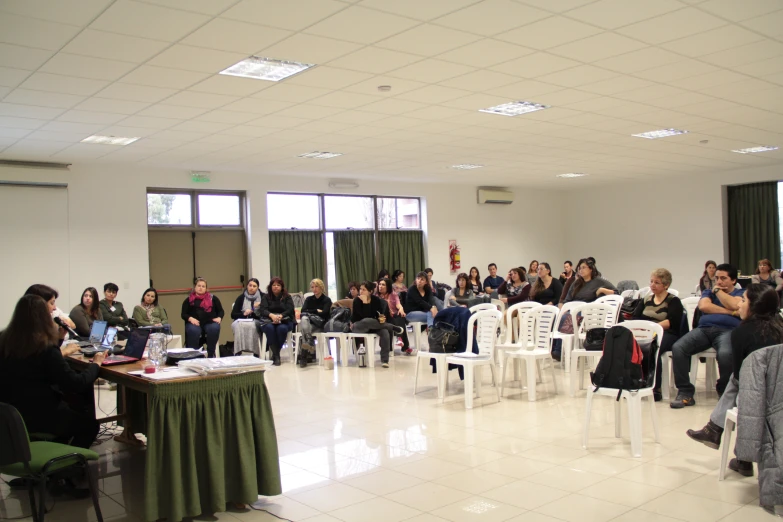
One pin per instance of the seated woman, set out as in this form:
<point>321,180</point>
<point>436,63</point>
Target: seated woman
<point>766,275</point>
<point>417,301</point>
<point>50,295</point>
<point>202,313</point>
<point>547,289</point>
<point>515,288</point>
<point>277,317</point>
<point>460,294</point>
<point>398,281</point>
<point>353,290</point>
<point>588,286</point>
<point>149,313</point>
<point>37,381</point>
<point>532,272</point>
<point>112,310</point>
<point>366,313</point>
<point>383,274</point>
<point>761,326</point>
<point>707,281</point>
<point>246,307</point>
<point>314,314</point>
<point>474,282</point>
<point>665,309</point>
<point>86,312</point>
<point>396,311</point>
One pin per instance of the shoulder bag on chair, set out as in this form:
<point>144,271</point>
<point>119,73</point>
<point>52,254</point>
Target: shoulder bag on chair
<point>443,338</point>
<point>594,339</point>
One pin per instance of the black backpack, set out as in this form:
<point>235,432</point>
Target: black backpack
<point>621,363</point>
<point>339,320</point>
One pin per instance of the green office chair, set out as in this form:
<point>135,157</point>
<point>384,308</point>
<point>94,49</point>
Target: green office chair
<point>36,461</point>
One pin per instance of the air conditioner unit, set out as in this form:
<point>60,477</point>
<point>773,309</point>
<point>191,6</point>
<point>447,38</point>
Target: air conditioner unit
<point>495,197</point>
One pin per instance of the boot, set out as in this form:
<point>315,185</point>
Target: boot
<point>302,358</point>
<point>709,435</point>
<point>275,358</point>
<point>742,467</point>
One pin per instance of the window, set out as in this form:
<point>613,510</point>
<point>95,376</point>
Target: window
<point>398,213</point>
<point>348,212</point>
<point>220,210</point>
<point>287,211</point>
<point>169,209</point>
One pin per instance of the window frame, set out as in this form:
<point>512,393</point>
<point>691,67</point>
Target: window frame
<point>194,209</point>
<point>397,212</point>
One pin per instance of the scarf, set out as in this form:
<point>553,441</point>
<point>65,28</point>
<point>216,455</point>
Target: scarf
<point>149,309</point>
<point>206,300</point>
<point>512,290</point>
<point>247,304</point>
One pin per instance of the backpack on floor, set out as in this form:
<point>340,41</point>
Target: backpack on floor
<point>621,363</point>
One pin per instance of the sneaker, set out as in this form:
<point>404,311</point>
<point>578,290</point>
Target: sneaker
<point>682,401</point>
<point>742,467</point>
<point>384,365</point>
<point>276,360</point>
<point>709,435</point>
<point>409,351</point>
<point>398,330</point>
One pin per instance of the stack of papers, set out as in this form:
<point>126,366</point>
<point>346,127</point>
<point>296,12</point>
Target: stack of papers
<point>225,365</point>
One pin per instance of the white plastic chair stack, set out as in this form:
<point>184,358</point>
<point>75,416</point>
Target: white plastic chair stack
<point>486,322</point>
<point>594,315</point>
<point>616,302</point>
<point>536,348</point>
<point>567,339</point>
<point>642,330</point>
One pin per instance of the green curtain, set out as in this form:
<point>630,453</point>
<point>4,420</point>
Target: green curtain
<point>402,249</point>
<point>354,258</point>
<point>754,225</point>
<point>297,257</point>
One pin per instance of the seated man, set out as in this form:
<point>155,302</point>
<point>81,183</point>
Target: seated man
<point>493,281</point>
<point>720,315</point>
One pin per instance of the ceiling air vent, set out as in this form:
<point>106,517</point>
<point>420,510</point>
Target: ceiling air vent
<point>34,164</point>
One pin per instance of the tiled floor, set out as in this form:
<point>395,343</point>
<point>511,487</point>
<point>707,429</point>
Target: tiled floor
<point>357,446</point>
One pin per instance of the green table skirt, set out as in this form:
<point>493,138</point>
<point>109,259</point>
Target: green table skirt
<point>209,442</point>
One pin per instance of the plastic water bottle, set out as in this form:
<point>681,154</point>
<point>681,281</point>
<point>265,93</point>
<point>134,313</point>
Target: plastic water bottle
<point>361,356</point>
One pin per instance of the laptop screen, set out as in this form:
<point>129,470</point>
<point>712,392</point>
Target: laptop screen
<point>111,336</point>
<point>98,329</point>
<point>136,343</point>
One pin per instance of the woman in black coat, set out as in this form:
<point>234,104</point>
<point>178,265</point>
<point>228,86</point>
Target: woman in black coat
<point>277,317</point>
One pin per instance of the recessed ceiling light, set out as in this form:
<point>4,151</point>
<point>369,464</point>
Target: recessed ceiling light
<point>267,69</point>
<point>572,175</point>
<point>109,140</point>
<point>515,108</point>
<point>320,155</point>
<point>663,133</point>
<point>466,166</point>
<point>751,150</point>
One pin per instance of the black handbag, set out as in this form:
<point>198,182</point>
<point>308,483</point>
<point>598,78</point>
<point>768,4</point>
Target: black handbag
<point>594,339</point>
<point>443,338</point>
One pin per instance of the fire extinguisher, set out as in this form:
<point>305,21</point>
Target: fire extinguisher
<point>454,256</point>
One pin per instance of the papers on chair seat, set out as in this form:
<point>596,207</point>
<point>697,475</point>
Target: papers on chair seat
<point>470,355</point>
<point>243,320</point>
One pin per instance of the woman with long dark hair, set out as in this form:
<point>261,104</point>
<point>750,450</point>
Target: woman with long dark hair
<point>277,317</point>
<point>546,289</point>
<point>396,311</point>
<point>761,326</point>
<point>474,281</point>
<point>767,275</point>
<point>86,312</point>
<point>707,281</point>
<point>532,272</point>
<point>149,312</point>
<point>398,281</point>
<point>461,293</point>
<point>202,313</point>
<point>367,316</point>
<point>516,288</point>
<point>589,285</point>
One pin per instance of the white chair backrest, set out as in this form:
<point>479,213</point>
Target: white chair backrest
<point>738,286</point>
<point>486,322</point>
<point>674,292</point>
<point>308,294</point>
<point>629,293</point>
<point>482,306</point>
<point>520,309</point>
<point>616,302</point>
<point>644,291</point>
<point>690,304</point>
<point>595,315</point>
<point>499,304</point>
<point>644,331</point>
<point>543,318</point>
<point>568,308</point>
<point>697,290</point>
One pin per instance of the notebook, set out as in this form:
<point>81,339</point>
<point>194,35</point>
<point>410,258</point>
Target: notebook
<point>134,348</point>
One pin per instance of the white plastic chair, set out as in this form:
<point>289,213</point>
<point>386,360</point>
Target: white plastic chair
<point>483,306</point>
<point>417,328</point>
<point>629,293</point>
<point>308,294</point>
<point>642,330</point>
<point>644,292</point>
<point>594,315</point>
<point>616,302</point>
<point>486,322</point>
<point>567,339</point>
<point>674,292</point>
<point>513,338</point>
<point>296,340</point>
<point>288,344</point>
<point>536,347</point>
<point>373,342</point>
<point>728,428</point>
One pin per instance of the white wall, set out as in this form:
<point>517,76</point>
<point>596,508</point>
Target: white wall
<point>107,205</point>
<point>675,223</point>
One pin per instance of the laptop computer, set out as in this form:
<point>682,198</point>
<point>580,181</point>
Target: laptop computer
<point>134,348</point>
<point>107,344</point>
<point>96,334</point>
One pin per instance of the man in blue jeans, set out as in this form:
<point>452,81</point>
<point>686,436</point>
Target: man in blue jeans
<point>720,315</point>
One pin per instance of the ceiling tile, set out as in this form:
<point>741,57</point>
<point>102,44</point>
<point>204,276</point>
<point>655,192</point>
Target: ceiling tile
<point>534,65</point>
<point>290,93</point>
<point>770,24</point>
<point>761,68</point>
<point>10,77</point>
<point>208,7</point>
<point>73,12</point>
<point>651,92</point>
<point>111,46</point>
<point>439,113</point>
<point>233,36</point>
<point>431,71</point>
<point>163,77</point>
<point>115,106</point>
<point>200,100</point>
<point>48,136</point>
<point>196,59</point>
<point>277,122</point>
<point>738,11</point>
<point>598,47</point>
<point>231,85</point>
<point>309,49</point>
<point>676,71</point>
<point>370,86</point>
<point>711,79</point>
<point>140,93</point>
<point>374,60</point>
<point>745,54</point>
<point>679,24</point>
<point>105,118</point>
<point>526,90</point>
<point>681,100</point>
<point>550,32</point>
<point>611,14</point>
<point>202,126</point>
<point>615,85</point>
<point>355,117</point>
<point>21,123</point>
<point>148,21</point>
<point>221,116</point>
<point>257,106</point>
<point>64,126</point>
<point>747,88</point>
<point>345,100</point>
<point>149,122</point>
<point>307,111</point>
<point>29,32</point>
<point>433,94</point>
<point>428,40</point>
<point>576,76</point>
<point>6,133</point>
<point>417,9</point>
<point>392,106</point>
<point>86,67</point>
<point>709,42</point>
<point>480,81</point>
<point>41,81</point>
<point>293,15</point>
<point>640,60</point>
<point>28,111</point>
<point>43,99</point>
<point>20,57</point>
<point>458,106</point>
<point>32,149</point>
<point>328,77</point>
<point>485,53</point>
<point>360,25</point>
<point>491,17</point>
<point>556,7</point>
